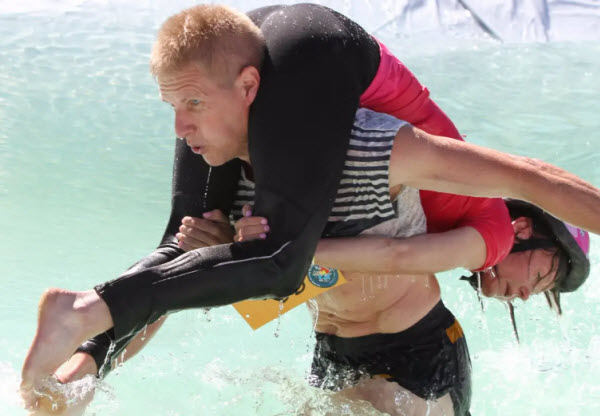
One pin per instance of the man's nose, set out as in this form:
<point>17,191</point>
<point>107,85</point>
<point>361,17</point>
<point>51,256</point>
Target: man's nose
<point>183,124</point>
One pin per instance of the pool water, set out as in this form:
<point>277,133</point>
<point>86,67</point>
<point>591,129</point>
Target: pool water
<point>85,168</point>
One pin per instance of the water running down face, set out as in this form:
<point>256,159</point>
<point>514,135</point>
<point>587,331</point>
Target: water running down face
<point>520,275</point>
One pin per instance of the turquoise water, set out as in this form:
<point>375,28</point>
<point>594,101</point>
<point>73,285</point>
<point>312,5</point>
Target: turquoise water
<point>85,163</point>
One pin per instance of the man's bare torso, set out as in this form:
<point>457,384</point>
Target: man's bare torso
<point>370,304</point>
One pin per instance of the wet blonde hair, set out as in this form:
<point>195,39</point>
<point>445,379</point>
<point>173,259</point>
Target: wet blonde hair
<point>222,40</point>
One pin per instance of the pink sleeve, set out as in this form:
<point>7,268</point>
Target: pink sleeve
<point>397,92</point>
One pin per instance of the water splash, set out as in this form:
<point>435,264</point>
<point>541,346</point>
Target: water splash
<point>120,360</point>
<point>479,291</point>
<point>144,332</point>
<point>279,312</point>
<point>206,314</point>
<point>363,296</point>
<point>314,307</point>
<point>277,391</point>
<point>9,386</point>
<point>105,367</point>
<point>511,311</point>
<point>206,188</point>
<point>56,397</point>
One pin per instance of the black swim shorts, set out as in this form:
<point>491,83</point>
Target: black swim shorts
<point>430,359</point>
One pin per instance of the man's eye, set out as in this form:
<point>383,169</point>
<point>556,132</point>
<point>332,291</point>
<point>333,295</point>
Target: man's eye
<point>194,102</point>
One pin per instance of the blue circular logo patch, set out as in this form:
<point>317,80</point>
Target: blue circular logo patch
<point>322,276</point>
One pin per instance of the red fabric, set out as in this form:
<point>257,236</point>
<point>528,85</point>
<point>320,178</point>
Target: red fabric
<point>396,91</point>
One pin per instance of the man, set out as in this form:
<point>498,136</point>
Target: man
<point>224,118</point>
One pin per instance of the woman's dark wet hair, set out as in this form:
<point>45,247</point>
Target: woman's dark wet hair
<point>569,245</point>
<point>543,238</point>
<point>570,258</point>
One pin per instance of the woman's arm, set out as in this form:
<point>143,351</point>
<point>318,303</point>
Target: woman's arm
<point>442,164</point>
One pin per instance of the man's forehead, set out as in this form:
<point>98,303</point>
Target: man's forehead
<point>184,82</point>
<point>190,74</point>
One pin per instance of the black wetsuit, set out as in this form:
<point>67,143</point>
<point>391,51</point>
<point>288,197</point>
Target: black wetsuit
<point>317,65</point>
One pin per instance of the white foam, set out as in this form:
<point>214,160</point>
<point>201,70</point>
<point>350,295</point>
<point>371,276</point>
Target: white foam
<point>9,387</point>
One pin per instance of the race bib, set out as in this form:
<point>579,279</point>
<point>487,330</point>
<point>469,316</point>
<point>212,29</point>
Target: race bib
<point>318,280</point>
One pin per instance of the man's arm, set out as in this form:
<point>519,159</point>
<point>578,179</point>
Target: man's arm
<point>422,254</point>
<point>442,164</point>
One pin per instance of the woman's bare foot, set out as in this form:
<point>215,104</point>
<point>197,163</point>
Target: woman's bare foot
<point>65,320</point>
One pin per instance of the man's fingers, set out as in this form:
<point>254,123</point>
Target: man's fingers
<point>202,224</point>
<point>253,230</point>
<point>250,237</point>
<point>188,243</point>
<point>186,247</point>
<point>216,215</point>
<point>190,221</point>
<point>208,231</point>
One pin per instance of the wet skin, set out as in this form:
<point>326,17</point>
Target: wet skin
<point>520,275</point>
<point>211,118</point>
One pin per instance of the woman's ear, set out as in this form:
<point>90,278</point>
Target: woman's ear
<point>523,227</point>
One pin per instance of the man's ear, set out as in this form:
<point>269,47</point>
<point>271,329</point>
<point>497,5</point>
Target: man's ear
<point>248,82</point>
<point>523,227</point>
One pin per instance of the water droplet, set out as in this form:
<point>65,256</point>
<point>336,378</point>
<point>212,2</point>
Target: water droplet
<point>206,187</point>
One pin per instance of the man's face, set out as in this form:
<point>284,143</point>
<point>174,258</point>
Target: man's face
<point>520,275</point>
<point>212,118</point>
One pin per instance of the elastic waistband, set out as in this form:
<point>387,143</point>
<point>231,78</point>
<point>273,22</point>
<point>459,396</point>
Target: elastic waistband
<point>429,328</point>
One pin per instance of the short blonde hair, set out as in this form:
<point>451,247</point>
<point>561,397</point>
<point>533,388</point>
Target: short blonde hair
<point>221,39</point>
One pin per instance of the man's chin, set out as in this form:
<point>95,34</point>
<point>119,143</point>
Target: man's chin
<point>213,161</point>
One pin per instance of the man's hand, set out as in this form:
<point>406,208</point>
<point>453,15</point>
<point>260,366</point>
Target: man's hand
<point>250,228</point>
<point>210,230</point>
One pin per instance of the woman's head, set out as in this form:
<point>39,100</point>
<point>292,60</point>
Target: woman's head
<point>548,256</point>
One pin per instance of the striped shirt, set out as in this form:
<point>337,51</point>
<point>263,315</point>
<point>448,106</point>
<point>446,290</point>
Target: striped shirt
<point>363,197</point>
